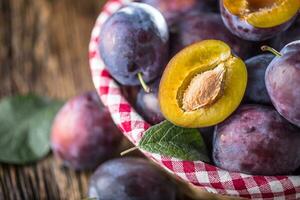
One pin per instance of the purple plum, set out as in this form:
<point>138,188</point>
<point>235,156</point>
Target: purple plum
<point>283,80</point>
<point>83,133</point>
<point>130,179</point>
<point>147,104</point>
<point>243,29</point>
<point>134,44</point>
<point>256,140</point>
<point>256,91</point>
<point>196,26</point>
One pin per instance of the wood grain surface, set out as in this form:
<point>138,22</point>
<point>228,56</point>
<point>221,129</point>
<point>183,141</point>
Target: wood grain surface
<point>43,49</point>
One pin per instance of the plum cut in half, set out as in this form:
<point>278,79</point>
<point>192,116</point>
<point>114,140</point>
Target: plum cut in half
<point>258,20</point>
<point>202,85</point>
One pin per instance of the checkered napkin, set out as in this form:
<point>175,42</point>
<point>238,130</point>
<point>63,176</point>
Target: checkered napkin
<point>203,175</point>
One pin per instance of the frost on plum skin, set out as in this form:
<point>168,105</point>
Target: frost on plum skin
<point>256,91</point>
<point>257,140</point>
<point>148,106</point>
<point>130,179</point>
<point>197,26</point>
<point>83,133</point>
<point>135,40</point>
<point>246,31</point>
<point>283,81</point>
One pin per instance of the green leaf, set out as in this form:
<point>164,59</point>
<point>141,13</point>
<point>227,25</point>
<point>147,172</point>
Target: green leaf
<point>171,140</point>
<point>25,124</point>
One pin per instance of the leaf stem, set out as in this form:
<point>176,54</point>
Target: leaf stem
<point>272,50</point>
<point>144,85</point>
<point>128,151</point>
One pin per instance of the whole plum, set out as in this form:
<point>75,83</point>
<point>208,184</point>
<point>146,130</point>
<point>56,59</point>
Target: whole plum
<point>282,81</point>
<point>83,133</point>
<point>207,134</point>
<point>130,93</point>
<point>292,34</point>
<point>196,26</point>
<point>257,140</point>
<point>130,179</point>
<point>256,91</point>
<point>148,106</point>
<point>134,43</point>
<point>173,10</point>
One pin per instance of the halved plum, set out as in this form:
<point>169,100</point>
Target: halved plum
<point>258,20</point>
<point>202,85</point>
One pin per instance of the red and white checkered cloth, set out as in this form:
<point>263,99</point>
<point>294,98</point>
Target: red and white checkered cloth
<point>205,176</point>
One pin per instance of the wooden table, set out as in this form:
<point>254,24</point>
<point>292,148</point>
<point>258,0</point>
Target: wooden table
<point>43,49</point>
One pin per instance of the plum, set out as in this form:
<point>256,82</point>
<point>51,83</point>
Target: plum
<point>202,85</point>
<point>258,20</point>
<point>283,80</point>
<point>130,179</point>
<point>292,34</point>
<point>196,26</point>
<point>207,134</point>
<point>257,140</point>
<point>130,93</point>
<point>134,44</point>
<point>83,133</point>
<point>256,91</point>
<point>173,10</point>
<point>148,106</point>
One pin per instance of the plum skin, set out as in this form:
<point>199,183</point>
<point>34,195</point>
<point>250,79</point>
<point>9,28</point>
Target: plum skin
<point>196,26</point>
<point>282,81</point>
<point>207,134</point>
<point>83,133</point>
<point>292,34</point>
<point>256,140</point>
<point>134,40</point>
<point>130,179</point>
<point>256,91</point>
<point>147,104</point>
<point>173,10</point>
<point>246,31</point>
<point>130,93</point>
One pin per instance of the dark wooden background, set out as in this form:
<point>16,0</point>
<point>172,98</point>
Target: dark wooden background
<point>43,49</point>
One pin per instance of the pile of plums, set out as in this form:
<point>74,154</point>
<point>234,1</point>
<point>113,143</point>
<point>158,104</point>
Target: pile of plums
<point>199,64</point>
<point>254,112</point>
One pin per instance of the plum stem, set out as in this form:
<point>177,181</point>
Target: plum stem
<point>272,50</point>
<point>144,85</point>
<point>128,151</point>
